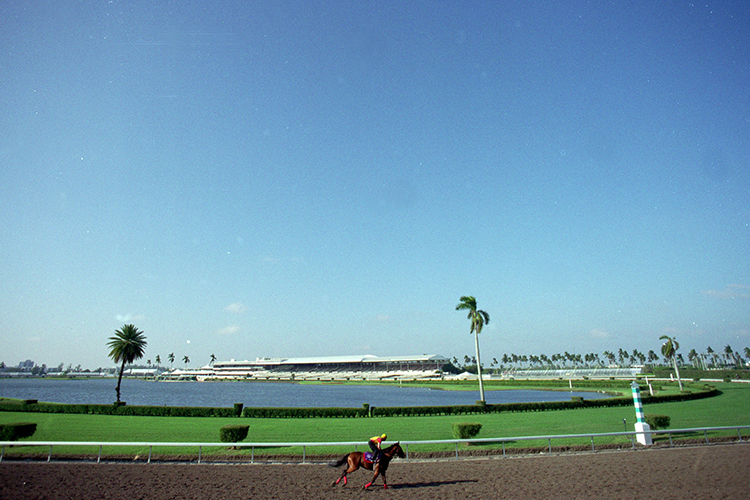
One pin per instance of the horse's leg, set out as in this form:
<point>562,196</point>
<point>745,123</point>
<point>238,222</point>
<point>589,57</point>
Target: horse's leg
<point>377,472</point>
<point>342,476</point>
<point>351,467</point>
<point>385,485</point>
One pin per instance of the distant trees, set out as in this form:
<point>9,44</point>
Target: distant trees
<point>729,358</point>
<point>127,345</point>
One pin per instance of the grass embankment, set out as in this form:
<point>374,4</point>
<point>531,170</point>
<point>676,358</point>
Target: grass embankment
<point>729,408</point>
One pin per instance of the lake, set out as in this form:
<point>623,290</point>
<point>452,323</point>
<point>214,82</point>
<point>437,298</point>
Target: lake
<point>261,394</point>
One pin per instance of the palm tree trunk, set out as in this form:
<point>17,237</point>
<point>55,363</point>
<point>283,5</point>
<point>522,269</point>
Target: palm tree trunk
<point>677,371</point>
<point>479,367</point>
<point>119,380</point>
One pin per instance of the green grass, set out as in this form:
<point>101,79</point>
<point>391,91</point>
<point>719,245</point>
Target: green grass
<point>730,408</point>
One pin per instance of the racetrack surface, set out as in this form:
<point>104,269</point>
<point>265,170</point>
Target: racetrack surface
<point>704,472</point>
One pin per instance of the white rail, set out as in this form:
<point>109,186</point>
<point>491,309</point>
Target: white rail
<point>355,444</point>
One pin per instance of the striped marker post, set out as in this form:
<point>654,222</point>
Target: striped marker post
<point>643,436</point>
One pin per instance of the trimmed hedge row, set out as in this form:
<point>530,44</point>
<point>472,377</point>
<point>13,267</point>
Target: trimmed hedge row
<point>305,412</point>
<point>150,411</point>
<point>365,411</point>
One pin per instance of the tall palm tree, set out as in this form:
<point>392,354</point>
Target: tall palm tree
<point>728,354</point>
<point>693,357</point>
<point>478,319</point>
<point>170,357</point>
<point>213,358</point>
<point>127,345</point>
<point>711,355</point>
<point>186,360</point>
<point>157,360</point>
<point>669,350</point>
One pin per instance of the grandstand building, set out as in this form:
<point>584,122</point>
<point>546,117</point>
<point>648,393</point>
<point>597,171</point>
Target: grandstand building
<point>366,367</point>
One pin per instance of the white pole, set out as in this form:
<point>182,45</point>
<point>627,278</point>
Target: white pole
<point>641,427</point>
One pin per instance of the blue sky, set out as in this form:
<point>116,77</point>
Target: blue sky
<point>272,178</point>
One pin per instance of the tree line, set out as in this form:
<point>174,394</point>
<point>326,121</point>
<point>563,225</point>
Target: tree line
<point>706,360</point>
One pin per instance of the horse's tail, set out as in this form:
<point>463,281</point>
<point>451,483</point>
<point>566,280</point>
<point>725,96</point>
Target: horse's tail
<point>340,462</point>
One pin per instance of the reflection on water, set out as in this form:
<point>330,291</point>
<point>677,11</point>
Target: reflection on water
<point>260,394</point>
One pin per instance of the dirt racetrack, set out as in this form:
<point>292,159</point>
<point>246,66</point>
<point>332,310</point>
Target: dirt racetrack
<point>704,472</point>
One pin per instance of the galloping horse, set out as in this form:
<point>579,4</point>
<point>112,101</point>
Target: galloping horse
<point>355,460</point>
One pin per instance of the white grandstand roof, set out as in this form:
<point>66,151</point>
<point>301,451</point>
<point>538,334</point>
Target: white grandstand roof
<point>367,358</point>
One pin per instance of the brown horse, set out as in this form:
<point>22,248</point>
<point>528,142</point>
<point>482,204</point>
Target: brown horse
<point>355,460</point>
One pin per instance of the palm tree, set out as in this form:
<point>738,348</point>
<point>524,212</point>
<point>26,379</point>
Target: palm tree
<point>157,360</point>
<point>213,358</point>
<point>171,360</point>
<point>669,350</point>
<point>693,357</point>
<point>186,360</point>
<point>478,319</point>
<point>728,353</point>
<point>710,353</point>
<point>126,346</point>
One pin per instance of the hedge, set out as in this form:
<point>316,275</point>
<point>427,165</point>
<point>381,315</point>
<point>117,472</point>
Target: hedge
<point>656,421</point>
<point>150,411</point>
<point>233,433</point>
<point>255,412</point>
<point>16,431</point>
<point>465,430</point>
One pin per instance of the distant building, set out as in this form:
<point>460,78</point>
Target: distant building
<point>367,367</point>
<point>26,365</point>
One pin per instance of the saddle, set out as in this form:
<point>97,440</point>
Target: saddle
<point>368,457</point>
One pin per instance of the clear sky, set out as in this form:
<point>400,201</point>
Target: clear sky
<point>272,178</point>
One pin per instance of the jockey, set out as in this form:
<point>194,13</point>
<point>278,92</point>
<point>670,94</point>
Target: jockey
<point>374,443</point>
